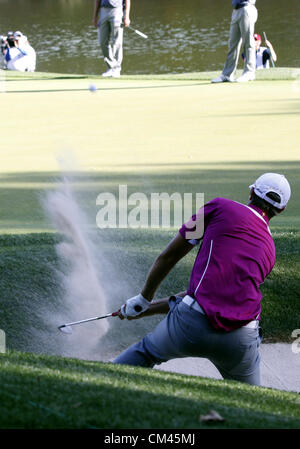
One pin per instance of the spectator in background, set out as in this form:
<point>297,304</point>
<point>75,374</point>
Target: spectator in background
<point>264,54</point>
<point>21,57</point>
<point>10,39</point>
<point>6,42</point>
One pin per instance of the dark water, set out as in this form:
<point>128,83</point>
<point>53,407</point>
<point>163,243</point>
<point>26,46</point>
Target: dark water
<point>184,35</point>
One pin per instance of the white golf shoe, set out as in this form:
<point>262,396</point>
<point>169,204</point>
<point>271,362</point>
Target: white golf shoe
<point>108,73</point>
<point>116,73</point>
<point>245,77</point>
<point>222,79</point>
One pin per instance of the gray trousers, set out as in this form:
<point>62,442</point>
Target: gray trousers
<point>110,35</point>
<point>241,34</point>
<point>186,332</point>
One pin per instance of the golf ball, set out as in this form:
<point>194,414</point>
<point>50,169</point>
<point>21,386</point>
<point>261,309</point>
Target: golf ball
<point>93,88</point>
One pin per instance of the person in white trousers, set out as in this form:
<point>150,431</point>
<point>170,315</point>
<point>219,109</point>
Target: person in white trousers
<point>244,17</point>
<point>110,16</point>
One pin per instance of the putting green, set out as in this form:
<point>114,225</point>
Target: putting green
<point>144,132</point>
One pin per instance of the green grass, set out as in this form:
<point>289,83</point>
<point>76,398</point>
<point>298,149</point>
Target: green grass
<point>166,122</point>
<point>52,392</point>
<point>278,73</point>
<point>158,133</point>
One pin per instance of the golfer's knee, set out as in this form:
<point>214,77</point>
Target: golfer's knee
<point>136,355</point>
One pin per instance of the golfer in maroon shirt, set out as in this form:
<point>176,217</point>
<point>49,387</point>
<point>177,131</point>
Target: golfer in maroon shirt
<point>217,317</point>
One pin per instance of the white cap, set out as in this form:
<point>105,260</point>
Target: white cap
<point>18,35</point>
<point>273,182</point>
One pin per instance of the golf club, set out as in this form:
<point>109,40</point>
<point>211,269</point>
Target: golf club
<point>138,32</point>
<point>67,328</point>
<point>265,37</point>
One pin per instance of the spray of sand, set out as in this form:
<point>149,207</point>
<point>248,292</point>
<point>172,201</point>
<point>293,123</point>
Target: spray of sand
<point>77,274</point>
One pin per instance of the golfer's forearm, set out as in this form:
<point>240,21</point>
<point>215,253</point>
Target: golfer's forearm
<point>159,270</point>
<point>175,251</point>
<point>96,8</point>
<point>160,306</point>
<point>127,8</point>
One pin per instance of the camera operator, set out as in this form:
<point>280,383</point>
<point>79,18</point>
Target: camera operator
<point>3,47</point>
<point>6,43</point>
<point>10,39</point>
<point>3,43</point>
<point>21,57</point>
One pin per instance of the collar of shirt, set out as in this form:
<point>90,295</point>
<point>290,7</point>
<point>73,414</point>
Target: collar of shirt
<point>261,213</point>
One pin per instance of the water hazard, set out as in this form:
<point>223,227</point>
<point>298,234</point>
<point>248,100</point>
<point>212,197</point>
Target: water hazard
<point>183,36</point>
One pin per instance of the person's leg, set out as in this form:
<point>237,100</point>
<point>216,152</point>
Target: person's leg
<point>237,357</point>
<point>247,24</point>
<point>183,333</point>
<point>234,45</point>
<point>252,379</point>
<point>155,347</point>
<point>116,39</point>
<point>104,32</point>
<point>137,355</point>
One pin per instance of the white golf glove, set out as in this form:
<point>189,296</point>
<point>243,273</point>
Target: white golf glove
<point>135,306</point>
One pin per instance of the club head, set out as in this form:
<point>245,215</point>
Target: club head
<point>65,329</point>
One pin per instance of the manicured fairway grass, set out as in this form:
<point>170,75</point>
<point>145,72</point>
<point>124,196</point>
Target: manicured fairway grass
<point>138,122</point>
<point>175,133</point>
<point>52,392</point>
<point>160,134</point>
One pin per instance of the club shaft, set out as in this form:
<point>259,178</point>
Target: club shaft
<point>272,62</point>
<point>139,32</point>
<point>87,320</point>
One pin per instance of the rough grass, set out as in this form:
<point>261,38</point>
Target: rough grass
<point>44,392</point>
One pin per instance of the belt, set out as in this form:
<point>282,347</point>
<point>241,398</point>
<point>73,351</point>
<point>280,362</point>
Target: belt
<point>252,325</point>
<point>193,304</point>
<point>239,6</point>
<point>196,306</point>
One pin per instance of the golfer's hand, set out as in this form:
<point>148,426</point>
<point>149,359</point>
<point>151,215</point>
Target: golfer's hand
<point>135,306</point>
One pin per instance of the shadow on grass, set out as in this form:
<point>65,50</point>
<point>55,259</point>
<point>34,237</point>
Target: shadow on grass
<point>49,78</point>
<point>20,192</point>
<point>164,86</point>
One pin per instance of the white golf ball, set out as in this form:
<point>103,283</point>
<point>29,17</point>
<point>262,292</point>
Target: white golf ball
<point>93,88</point>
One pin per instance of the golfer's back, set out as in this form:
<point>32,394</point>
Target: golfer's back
<point>236,255</point>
